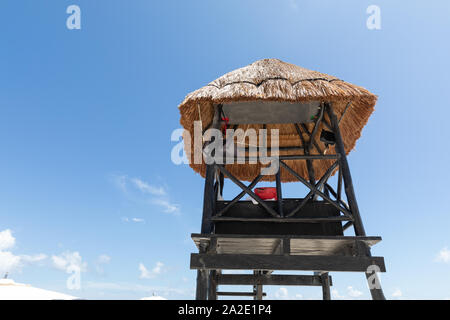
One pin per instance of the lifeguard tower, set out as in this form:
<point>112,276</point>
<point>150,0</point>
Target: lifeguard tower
<point>318,119</point>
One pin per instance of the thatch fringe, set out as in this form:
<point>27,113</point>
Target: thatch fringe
<point>274,80</point>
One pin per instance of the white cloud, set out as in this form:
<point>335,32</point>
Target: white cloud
<point>443,255</point>
<point>33,258</point>
<point>140,190</point>
<point>103,259</point>
<point>282,294</point>
<point>149,274</point>
<point>335,294</point>
<point>100,262</point>
<point>10,262</point>
<point>168,206</point>
<point>68,261</point>
<point>354,293</point>
<point>293,4</point>
<point>397,293</point>
<point>7,240</point>
<point>147,188</point>
<point>136,220</point>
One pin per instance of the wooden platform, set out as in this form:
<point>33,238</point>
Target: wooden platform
<point>299,245</point>
<point>304,253</point>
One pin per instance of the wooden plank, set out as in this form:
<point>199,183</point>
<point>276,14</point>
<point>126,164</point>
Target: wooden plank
<point>325,286</point>
<point>300,245</point>
<point>283,220</point>
<point>208,193</point>
<point>270,112</point>
<point>284,262</point>
<point>270,280</point>
<point>281,236</point>
<point>238,294</point>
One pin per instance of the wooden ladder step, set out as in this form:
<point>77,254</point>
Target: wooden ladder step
<point>238,294</point>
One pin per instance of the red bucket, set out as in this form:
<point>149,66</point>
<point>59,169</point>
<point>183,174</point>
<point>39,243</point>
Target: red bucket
<point>266,193</point>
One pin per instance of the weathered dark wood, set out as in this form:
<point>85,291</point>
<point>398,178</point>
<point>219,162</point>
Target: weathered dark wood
<point>201,292</point>
<point>344,112</point>
<point>257,288</point>
<point>347,225</point>
<point>316,127</point>
<point>315,189</point>
<point>273,244</point>
<point>238,197</point>
<point>246,217</point>
<point>270,280</point>
<point>339,187</point>
<point>315,144</point>
<point>325,279</point>
<point>279,193</point>
<point>309,165</point>
<point>247,190</point>
<point>377,294</point>
<point>238,294</point>
<point>349,191</point>
<point>335,195</point>
<point>212,290</point>
<point>284,220</point>
<point>286,246</point>
<point>209,196</point>
<point>284,262</point>
<point>270,112</point>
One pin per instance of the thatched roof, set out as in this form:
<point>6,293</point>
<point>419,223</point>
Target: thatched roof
<point>275,80</point>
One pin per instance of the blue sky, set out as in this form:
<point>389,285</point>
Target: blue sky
<point>86,118</point>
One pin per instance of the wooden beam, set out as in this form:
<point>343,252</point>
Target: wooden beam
<point>212,290</point>
<point>279,193</point>
<point>284,220</point>
<point>238,294</point>
<point>284,262</point>
<point>349,191</point>
<point>209,197</point>
<point>201,292</point>
<point>247,190</point>
<point>325,279</point>
<point>239,196</point>
<point>270,280</point>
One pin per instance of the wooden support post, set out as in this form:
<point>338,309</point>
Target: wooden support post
<point>202,280</point>
<point>377,293</point>
<point>257,288</point>
<point>325,286</point>
<point>279,193</point>
<point>349,191</point>
<point>212,290</point>
<point>209,197</point>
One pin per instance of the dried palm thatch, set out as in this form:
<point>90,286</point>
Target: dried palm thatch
<point>275,80</point>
